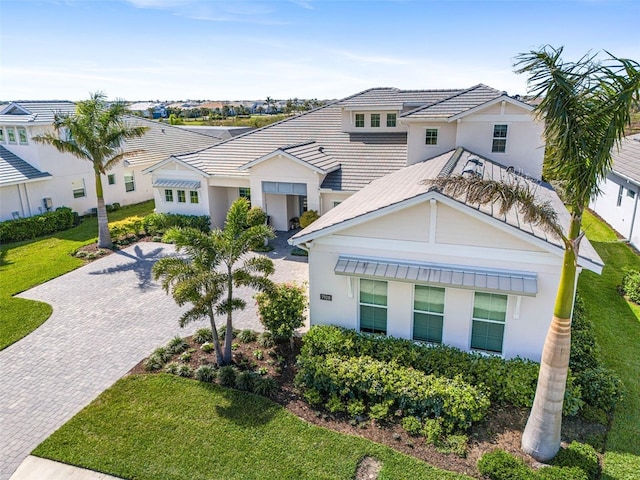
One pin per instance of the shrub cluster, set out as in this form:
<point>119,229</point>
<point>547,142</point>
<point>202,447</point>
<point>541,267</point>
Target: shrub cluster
<point>506,381</point>
<point>308,217</point>
<point>387,389</point>
<point>61,218</point>
<point>159,223</point>
<point>282,309</point>
<point>631,285</point>
<point>129,226</point>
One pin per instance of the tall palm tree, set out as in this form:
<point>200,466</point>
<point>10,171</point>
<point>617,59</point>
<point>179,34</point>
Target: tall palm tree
<point>585,106</point>
<point>95,133</point>
<point>216,263</point>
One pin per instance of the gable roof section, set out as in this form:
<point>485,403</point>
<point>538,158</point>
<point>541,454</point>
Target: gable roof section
<point>309,154</point>
<point>14,170</point>
<point>404,188</point>
<point>626,158</point>
<point>456,104</point>
<point>35,111</point>
<point>396,97</point>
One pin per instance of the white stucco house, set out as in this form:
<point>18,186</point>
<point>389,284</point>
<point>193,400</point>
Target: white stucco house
<point>389,255</point>
<point>35,177</point>
<point>618,202</point>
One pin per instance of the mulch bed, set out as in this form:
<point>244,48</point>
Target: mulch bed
<point>502,428</point>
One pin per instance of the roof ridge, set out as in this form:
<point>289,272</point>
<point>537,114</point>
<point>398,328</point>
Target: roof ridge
<point>295,145</point>
<point>424,107</point>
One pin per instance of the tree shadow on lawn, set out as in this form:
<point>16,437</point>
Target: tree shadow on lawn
<point>141,265</point>
<point>244,409</point>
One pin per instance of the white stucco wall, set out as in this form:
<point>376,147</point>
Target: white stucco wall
<point>175,171</point>
<point>624,218</point>
<point>328,200</point>
<point>349,116</point>
<point>525,329</point>
<point>418,150</point>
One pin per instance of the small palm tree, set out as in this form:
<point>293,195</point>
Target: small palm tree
<point>585,106</point>
<point>95,133</point>
<point>215,264</point>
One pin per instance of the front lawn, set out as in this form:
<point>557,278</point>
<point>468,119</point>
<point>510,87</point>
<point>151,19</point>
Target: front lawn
<point>617,327</point>
<point>31,262</point>
<point>162,426</point>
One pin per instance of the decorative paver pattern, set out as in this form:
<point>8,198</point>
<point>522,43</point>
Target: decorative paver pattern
<point>107,316</point>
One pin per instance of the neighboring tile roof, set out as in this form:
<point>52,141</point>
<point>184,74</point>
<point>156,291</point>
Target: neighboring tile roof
<point>395,96</point>
<point>14,169</point>
<point>406,184</point>
<point>626,159</point>
<point>309,153</point>
<point>457,103</point>
<point>34,111</point>
<point>162,141</point>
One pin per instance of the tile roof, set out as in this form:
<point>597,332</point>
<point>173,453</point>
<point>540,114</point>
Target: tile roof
<point>406,184</point>
<point>626,159</point>
<point>308,152</point>
<point>14,169</point>
<point>34,111</point>
<point>395,96</point>
<point>456,104</point>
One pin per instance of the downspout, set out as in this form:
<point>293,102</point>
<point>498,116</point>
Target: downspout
<point>633,217</point>
<point>26,194</point>
<point>20,198</point>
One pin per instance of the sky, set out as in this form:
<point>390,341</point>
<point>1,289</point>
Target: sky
<point>241,50</point>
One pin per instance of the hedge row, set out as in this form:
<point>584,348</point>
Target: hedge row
<point>61,218</point>
<point>387,389</point>
<point>506,381</point>
<point>156,224</point>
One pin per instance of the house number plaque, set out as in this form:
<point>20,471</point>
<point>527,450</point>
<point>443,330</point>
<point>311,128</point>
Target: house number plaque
<point>326,296</point>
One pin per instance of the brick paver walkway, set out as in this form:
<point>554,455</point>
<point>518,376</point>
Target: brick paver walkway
<point>107,316</point>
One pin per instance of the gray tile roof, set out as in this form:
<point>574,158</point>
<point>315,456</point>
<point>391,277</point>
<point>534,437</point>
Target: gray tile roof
<point>14,169</point>
<point>406,184</point>
<point>310,153</point>
<point>34,111</point>
<point>626,159</point>
<point>395,96</point>
<point>456,103</point>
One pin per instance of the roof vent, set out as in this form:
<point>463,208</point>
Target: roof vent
<point>321,149</point>
<point>163,130</point>
<point>473,167</point>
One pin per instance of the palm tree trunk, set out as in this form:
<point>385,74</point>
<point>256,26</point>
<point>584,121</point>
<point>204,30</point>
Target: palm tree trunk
<point>104,238</point>
<point>216,339</point>
<point>228,335</point>
<point>541,436</point>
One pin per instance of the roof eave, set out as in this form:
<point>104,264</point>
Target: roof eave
<point>489,103</point>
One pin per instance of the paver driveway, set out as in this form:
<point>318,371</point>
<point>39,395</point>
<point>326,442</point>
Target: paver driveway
<point>107,316</point>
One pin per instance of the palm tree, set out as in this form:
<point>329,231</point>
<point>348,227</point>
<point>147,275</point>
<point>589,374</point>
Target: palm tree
<point>95,133</point>
<point>216,263</point>
<point>585,106</point>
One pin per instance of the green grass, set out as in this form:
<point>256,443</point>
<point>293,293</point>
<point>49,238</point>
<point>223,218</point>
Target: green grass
<point>31,262</point>
<point>617,326</point>
<point>161,426</point>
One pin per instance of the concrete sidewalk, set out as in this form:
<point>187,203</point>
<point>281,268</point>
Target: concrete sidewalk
<point>34,468</point>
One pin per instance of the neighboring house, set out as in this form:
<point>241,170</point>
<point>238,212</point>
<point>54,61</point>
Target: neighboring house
<point>618,202</point>
<point>149,109</point>
<point>318,159</point>
<point>402,259</point>
<point>35,177</point>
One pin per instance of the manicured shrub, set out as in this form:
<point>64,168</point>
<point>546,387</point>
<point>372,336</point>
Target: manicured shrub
<point>313,397</point>
<point>412,425</point>
<point>245,381</point>
<point>172,368</point>
<point>159,223</point>
<point>500,465</point>
<point>247,336</point>
<point>203,335</point>
<point>631,285</point>
<point>205,373</point>
<point>334,404</point>
<point>432,430</point>
<point>177,345</point>
<point>60,219</point>
<point>601,388</point>
<point>282,309</point>
<point>184,371</point>
<point>227,376</point>
<point>207,347</point>
<point>355,407</point>
<point>579,455</point>
<point>256,216</point>
<point>153,363</point>
<point>557,473</point>
<point>186,357</point>
<point>162,353</point>
<point>128,226</point>
<point>308,217</point>
<point>265,340</point>
<point>265,386</point>
<point>455,444</point>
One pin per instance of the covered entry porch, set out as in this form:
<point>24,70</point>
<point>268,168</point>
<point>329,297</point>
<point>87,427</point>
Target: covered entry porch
<point>284,202</point>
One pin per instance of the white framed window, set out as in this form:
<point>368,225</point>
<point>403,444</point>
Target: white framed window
<point>620,192</point>
<point>391,120</point>
<point>129,182</point>
<point>168,195</point>
<point>22,136</point>
<point>428,313</point>
<point>431,136</point>
<point>77,187</point>
<point>182,197</point>
<point>111,179</point>
<point>489,317</point>
<point>2,140</point>
<point>360,120</point>
<point>499,142</point>
<point>193,196</point>
<point>373,306</point>
<point>245,192</point>
<point>375,120</point>
<point>11,134</point>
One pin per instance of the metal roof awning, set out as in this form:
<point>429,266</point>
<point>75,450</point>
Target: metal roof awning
<point>186,184</point>
<point>473,278</point>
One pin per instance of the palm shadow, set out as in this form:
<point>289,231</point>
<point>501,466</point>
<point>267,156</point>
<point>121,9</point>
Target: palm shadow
<point>141,264</point>
<point>244,409</point>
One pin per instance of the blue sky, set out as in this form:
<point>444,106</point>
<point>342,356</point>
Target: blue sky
<point>210,49</point>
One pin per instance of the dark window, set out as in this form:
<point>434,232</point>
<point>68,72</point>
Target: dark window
<point>391,119</point>
<point>431,137</point>
<point>489,316</point>
<point>359,120</point>
<point>111,179</point>
<point>182,197</point>
<point>168,195</point>
<point>428,313</point>
<point>499,144</point>
<point>129,183</point>
<point>373,306</point>
<point>375,119</point>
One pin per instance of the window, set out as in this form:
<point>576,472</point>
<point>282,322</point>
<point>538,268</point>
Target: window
<point>77,186</point>
<point>22,135</point>
<point>373,306</point>
<point>489,315</point>
<point>391,119</point>
<point>129,183</point>
<point>245,193</point>
<point>431,137</point>
<point>620,192</point>
<point>428,313</point>
<point>1,135</point>
<point>193,196</point>
<point>631,193</point>
<point>168,195</point>
<point>111,179</point>
<point>359,120</point>
<point>499,144</point>
<point>11,134</point>
<point>375,119</point>
<point>182,198</point>
<point>335,204</point>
